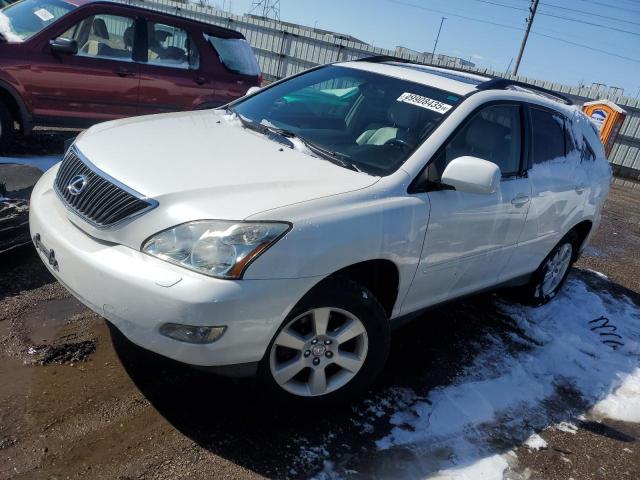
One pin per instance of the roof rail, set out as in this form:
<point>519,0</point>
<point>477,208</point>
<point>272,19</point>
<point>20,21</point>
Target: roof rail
<point>496,83</point>
<point>504,83</point>
<point>390,58</point>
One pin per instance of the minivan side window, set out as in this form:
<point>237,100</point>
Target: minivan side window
<point>171,46</point>
<point>548,135</point>
<point>493,134</point>
<point>104,36</point>
<point>235,54</point>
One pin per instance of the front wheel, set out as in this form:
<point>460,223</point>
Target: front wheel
<point>330,348</point>
<point>548,279</point>
<point>7,131</point>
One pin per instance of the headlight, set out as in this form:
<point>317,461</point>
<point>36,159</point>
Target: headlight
<point>216,248</point>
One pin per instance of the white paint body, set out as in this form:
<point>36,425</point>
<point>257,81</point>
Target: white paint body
<point>444,243</point>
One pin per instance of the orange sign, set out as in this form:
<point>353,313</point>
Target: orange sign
<point>608,119</point>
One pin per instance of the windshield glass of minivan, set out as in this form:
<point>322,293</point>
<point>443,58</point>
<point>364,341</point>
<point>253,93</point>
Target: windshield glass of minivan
<point>373,121</point>
<point>22,20</point>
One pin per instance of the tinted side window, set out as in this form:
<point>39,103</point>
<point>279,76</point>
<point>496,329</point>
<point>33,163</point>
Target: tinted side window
<point>548,135</point>
<point>491,134</point>
<point>104,36</point>
<point>170,46</point>
<point>587,154</point>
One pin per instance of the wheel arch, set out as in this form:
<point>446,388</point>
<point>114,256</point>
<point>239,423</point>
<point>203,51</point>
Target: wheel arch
<point>380,276</point>
<point>582,229</point>
<point>10,97</point>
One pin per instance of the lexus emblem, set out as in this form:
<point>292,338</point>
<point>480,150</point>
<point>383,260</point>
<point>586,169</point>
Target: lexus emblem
<point>77,185</point>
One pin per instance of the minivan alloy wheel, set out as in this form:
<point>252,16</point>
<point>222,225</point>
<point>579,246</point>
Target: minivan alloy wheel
<point>556,267</point>
<point>318,352</point>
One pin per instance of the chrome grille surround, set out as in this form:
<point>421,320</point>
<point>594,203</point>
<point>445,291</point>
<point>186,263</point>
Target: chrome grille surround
<point>104,202</point>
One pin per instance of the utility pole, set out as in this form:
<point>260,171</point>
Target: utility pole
<point>532,14</point>
<point>442,19</point>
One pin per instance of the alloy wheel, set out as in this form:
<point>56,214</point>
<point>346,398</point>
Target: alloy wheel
<point>556,268</point>
<point>318,352</point>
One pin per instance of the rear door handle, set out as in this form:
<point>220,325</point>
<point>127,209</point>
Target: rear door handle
<point>124,72</point>
<point>580,188</point>
<point>199,80</point>
<point>520,200</point>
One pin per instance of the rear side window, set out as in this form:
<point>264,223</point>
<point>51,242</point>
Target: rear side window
<point>548,135</point>
<point>587,154</point>
<point>236,54</point>
<point>171,47</point>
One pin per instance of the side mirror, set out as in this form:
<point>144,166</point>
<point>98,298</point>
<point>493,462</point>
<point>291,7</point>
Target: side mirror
<point>64,45</point>
<point>473,175</point>
<point>252,90</point>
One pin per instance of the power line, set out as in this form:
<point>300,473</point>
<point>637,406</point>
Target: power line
<point>637,60</point>
<point>561,17</point>
<point>608,5</point>
<point>511,27</point>
<point>589,13</point>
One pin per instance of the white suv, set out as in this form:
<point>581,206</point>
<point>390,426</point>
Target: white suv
<point>286,234</point>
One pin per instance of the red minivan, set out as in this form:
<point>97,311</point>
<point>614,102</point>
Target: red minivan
<point>73,63</point>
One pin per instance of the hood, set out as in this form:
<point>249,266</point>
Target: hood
<point>204,165</point>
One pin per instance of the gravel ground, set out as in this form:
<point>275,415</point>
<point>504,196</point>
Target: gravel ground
<point>80,401</point>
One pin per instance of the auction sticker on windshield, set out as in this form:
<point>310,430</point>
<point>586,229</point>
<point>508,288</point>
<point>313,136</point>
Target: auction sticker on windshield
<point>43,14</point>
<point>424,102</point>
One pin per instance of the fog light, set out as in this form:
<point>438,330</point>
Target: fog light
<point>191,334</point>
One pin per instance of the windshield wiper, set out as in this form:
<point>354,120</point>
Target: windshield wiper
<point>334,157</point>
<point>287,135</point>
<point>263,129</point>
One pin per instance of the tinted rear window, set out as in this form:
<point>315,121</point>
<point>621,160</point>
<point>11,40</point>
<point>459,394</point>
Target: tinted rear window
<point>236,54</point>
<point>548,135</point>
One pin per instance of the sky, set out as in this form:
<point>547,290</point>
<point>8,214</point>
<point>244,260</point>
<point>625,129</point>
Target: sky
<point>489,33</point>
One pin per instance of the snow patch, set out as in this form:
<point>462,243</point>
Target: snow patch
<point>6,31</point>
<point>624,403</point>
<point>567,427</point>
<point>504,391</point>
<point>536,442</point>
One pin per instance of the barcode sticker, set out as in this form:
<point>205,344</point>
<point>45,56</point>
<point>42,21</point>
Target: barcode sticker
<point>424,102</point>
<point>43,14</point>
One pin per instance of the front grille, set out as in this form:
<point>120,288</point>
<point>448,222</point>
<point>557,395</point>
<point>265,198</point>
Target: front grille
<point>100,202</point>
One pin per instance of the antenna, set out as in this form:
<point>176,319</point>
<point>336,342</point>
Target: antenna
<point>266,8</point>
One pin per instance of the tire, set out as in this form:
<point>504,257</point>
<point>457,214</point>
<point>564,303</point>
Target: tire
<point>348,367</point>
<point>7,131</point>
<point>541,289</point>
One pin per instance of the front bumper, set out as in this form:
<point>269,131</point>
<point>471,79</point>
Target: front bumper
<point>138,293</point>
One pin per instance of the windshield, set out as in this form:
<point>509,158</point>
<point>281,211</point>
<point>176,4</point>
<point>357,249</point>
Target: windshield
<point>22,20</point>
<point>373,121</point>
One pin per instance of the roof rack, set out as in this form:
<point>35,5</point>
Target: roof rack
<point>390,58</point>
<point>495,83</point>
<point>504,83</point>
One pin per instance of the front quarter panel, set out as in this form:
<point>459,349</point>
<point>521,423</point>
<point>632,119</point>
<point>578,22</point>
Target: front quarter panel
<point>380,222</point>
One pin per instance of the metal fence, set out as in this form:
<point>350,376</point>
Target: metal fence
<point>284,49</point>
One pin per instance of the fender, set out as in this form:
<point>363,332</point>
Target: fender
<point>26,119</point>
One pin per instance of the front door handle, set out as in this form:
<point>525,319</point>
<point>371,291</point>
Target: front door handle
<point>580,188</point>
<point>199,80</point>
<point>520,200</point>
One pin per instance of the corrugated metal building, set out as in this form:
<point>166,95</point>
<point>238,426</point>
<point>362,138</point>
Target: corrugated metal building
<point>285,48</point>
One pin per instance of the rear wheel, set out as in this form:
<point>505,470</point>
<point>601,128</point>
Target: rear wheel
<point>7,131</point>
<point>330,348</point>
<point>548,279</point>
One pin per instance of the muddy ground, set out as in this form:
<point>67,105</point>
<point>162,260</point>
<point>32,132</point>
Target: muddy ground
<point>77,400</point>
